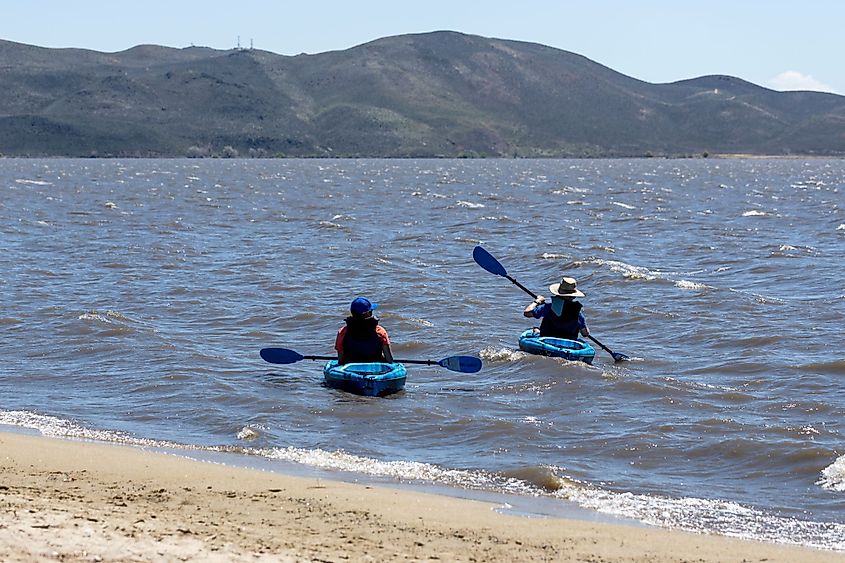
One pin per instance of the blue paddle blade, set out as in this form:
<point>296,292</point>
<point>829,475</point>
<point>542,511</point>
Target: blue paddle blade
<point>488,262</point>
<point>280,355</point>
<point>463,364</point>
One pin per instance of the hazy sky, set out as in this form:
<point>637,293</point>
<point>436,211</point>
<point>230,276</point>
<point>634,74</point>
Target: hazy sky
<point>785,45</point>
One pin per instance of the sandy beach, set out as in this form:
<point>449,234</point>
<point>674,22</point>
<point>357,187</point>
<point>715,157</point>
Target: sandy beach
<point>67,500</point>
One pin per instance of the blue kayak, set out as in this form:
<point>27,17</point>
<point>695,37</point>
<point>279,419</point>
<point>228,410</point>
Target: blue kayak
<point>370,379</point>
<point>530,341</point>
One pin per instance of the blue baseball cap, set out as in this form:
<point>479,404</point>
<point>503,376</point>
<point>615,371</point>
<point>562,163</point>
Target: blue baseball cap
<point>361,305</point>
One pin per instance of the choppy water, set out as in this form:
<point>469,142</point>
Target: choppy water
<point>135,296</point>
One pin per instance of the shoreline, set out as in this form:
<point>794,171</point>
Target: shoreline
<point>84,501</point>
<point>687,156</point>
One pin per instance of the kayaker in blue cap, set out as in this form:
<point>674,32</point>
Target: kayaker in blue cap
<point>562,318</point>
<point>362,339</point>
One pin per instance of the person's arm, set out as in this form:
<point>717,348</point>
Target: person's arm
<point>388,355</point>
<point>529,310</point>
<point>582,322</point>
<point>385,344</point>
<point>338,344</point>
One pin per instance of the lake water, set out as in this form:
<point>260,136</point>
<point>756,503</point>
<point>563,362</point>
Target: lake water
<point>136,295</point>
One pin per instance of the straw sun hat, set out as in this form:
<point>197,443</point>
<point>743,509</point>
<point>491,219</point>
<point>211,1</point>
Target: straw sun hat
<point>566,288</point>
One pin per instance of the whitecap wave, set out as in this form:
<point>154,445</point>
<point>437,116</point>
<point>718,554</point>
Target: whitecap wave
<point>622,205</point>
<point>790,249</point>
<point>754,213</point>
<point>684,284</point>
<point>570,190</point>
<point>33,182</point>
<point>470,205</point>
<point>833,476</point>
<point>501,355</point>
<point>629,271</point>
<point>109,317</point>
<point>332,225</point>
<point>249,433</point>
<point>419,322</point>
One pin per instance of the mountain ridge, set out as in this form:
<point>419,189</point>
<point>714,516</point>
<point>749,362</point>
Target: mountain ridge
<point>437,94</point>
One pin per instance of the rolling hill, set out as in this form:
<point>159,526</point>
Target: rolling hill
<point>440,94</point>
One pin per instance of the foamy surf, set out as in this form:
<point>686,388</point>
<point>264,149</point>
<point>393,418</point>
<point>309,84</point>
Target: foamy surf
<point>690,514</point>
<point>833,476</point>
<point>709,516</point>
<point>501,355</point>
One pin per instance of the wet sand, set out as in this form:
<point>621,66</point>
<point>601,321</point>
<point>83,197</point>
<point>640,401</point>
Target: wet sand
<point>65,500</point>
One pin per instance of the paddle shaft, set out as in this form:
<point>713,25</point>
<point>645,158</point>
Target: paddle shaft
<point>603,347</point>
<point>462,364</point>
<point>522,287</point>
<point>423,362</point>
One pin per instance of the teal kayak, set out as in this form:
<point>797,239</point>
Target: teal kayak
<point>371,379</point>
<point>530,341</point>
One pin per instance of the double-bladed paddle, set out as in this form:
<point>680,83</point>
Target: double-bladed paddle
<point>463,364</point>
<point>489,263</point>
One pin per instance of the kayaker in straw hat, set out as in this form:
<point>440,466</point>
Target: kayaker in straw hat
<point>562,318</point>
<point>362,339</point>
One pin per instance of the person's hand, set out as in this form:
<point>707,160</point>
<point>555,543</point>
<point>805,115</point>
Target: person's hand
<point>540,300</point>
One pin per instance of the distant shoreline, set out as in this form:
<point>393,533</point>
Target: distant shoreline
<point>726,156</point>
<point>441,94</point>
